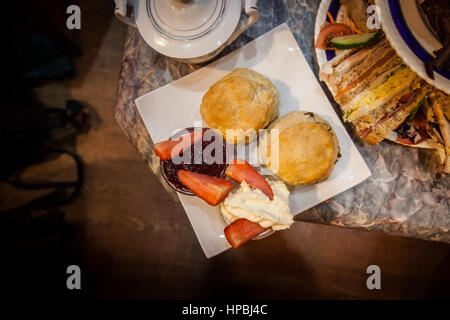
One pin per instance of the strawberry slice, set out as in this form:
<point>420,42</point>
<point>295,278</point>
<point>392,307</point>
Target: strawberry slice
<point>165,150</point>
<point>240,170</point>
<point>211,189</point>
<point>241,231</point>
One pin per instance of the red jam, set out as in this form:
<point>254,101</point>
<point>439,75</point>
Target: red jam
<point>197,151</point>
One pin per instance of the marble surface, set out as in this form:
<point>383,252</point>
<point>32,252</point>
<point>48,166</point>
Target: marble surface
<point>406,194</point>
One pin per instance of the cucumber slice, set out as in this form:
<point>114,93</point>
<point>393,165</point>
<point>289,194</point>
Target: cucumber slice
<point>355,40</point>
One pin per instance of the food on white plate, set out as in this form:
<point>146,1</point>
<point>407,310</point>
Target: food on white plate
<point>378,93</point>
<point>252,204</point>
<point>257,205</point>
<point>244,101</point>
<point>211,189</point>
<point>307,151</point>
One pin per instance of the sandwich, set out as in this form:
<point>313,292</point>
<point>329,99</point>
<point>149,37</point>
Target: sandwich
<point>378,94</point>
<point>375,90</point>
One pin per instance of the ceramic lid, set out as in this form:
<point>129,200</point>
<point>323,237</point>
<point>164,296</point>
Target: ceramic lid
<point>185,20</point>
<point>186,29</point>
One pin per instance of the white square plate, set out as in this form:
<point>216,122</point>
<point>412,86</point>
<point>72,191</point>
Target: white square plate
<point>277,56</point>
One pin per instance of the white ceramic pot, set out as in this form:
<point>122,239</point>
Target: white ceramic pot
<point>192,31</point>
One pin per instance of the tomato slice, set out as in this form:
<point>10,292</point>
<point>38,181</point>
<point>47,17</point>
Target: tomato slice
<point>332,30</point>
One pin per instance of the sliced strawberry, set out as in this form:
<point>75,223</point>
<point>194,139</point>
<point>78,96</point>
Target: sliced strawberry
<point>170,148</point>
<point>240,170</point>
<point>211,189</point>
<point>241,231</point>
<point>164,149</point>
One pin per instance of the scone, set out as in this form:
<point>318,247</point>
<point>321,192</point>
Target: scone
<point>244,101</point>
<point>307,148</point>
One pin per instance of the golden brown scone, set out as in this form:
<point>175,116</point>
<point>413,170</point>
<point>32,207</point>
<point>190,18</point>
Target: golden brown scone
<point>308,148</point>
<point>243,99</point>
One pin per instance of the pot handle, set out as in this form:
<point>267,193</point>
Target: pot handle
<point>250,9</point>
<point>121,12</point>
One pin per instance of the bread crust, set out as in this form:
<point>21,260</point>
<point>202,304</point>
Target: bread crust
<point>377,135</point>
<point>308,148</point>
<point>243,100</point>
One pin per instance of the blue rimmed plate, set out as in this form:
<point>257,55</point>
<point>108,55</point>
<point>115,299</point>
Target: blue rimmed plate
<point>411,38</point>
